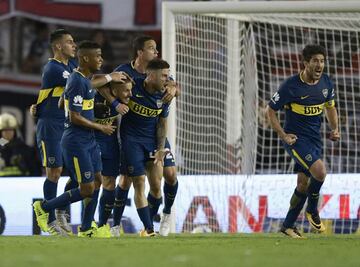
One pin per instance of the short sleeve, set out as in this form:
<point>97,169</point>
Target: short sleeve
<point>330,99</point>
<point>75,94</point>
<point>165,111</point>
<point>281,97</point>
<point>54,76</point>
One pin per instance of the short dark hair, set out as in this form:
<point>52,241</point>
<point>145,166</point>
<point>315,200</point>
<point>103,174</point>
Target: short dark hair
<point>57,34</point>
<point>139,42</point>
<point>86,44</point>
<point>157,64</point>
<point>312,49</point>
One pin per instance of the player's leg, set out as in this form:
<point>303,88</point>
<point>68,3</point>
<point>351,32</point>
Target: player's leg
<point>106,202</point>
<point>154,175</point>
<point>170,190</point>
<point>121,196</point>
<point>51,156</point>
<point>142,205</point>
<point>318,174</point>
<point>297,202</point>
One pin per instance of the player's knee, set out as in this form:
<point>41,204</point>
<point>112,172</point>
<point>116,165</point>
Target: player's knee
<point>108,183</point>
<point>138,182</point>
<point>87,190</point>
<point>125,182</point>
<point>53,174</point>
<point>170,175</point>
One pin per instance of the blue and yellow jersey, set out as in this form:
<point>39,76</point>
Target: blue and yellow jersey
<point>304,104</point>
<point>130,70</point>
<point>79,97</point>
<point>104,114</point>
<point>144,112</point>
<point>54,77</point>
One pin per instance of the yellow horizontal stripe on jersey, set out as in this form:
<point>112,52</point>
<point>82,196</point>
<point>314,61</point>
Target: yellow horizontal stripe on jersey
<point>300,159</point>
<point>142,110</point>
<point>330,104</point>
<point>43,94</point>
<point>109,120</point>
<point>307,110</point>
<point>77,169</point>
<point>88,104</point>
<point>58,91</point>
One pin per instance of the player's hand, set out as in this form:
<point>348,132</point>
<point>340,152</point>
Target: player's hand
<point>160,155</point>
<point>334,135</point>
<point>290,139</point>
<point>118,76</point>
<point>107,129</point>
<point>33,110</point>
<point>122,109</point>
<point>170,93</point>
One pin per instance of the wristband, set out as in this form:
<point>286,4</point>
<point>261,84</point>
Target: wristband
<point>115,103</point>
<point>108,78</point>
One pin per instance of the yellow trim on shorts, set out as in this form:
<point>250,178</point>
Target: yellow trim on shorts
<point>299,158</point>
<point>77,169</point>
<point>44,153</point>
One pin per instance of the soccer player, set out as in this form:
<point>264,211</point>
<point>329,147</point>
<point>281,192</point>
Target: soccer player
<point>50,125</point>
<point>143,135</point>
<point>144,48</point>
<point>304,96</point>
<point>80,150</point>
<point>109,146</point>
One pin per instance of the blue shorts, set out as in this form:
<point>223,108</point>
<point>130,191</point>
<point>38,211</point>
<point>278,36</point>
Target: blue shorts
<point>169,160</point>
<point>134,156</point>
<point>82,162</point>
<point>50,152</point>
<point>305,153</point>
<point>110,156</point>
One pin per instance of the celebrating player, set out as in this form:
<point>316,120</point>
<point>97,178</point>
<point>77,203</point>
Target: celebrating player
<point>304,97</point>
<point>80,150</point>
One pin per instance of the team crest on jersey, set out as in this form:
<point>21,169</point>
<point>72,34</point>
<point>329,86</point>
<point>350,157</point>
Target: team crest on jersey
<point>87,175</point>
<point>308,157</point>
<point>159,103</point>
<point>51,160</point>
<point>66,74</point>
<point>325,92</point>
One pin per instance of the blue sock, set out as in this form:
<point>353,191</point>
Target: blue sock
<point>65,199</point>
<point>297,202</point>
<point>119,204</point>
<point>144,215</point>
<point>154,204</point>
<point>106,205</point>
<point>70,184</point>
<point>89,210</point>
<point>50,189</point>
<point>169,195</point>
<point>313,195</point>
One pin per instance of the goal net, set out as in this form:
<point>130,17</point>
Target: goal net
<point>229,63</point>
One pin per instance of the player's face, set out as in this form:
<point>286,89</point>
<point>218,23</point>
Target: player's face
<point>67,46</point>
<point>315,66</point>
<point>123,92</point>
<point>161,77</point>
<point>149,51</point>
<point>95,59</point>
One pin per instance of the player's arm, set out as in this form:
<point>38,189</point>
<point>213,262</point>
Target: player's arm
<point>172,90</point>
<point>161,132</point>
<point>61,102</point>
<point>100,80</point>
<point>105,91</point>
<point>33,109</point>
<point>290,139</point>
<point>77,119</point>
<point>332,117</point>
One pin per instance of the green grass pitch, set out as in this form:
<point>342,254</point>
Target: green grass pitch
<point>221,250</point>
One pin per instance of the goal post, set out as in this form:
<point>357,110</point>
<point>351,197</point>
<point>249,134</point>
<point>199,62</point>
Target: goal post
<point>230,57</point>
